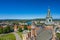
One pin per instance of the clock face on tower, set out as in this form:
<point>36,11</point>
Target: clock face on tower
<point>49,20</point>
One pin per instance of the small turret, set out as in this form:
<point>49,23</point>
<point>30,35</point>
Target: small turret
<point>48,15</point>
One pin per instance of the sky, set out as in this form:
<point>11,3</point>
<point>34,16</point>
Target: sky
<point>29,9</point>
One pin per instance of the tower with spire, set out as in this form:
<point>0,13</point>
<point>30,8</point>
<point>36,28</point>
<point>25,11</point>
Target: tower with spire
<point>48,18</point>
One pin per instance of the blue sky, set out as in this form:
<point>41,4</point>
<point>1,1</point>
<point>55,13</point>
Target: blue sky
<point>28,9</point>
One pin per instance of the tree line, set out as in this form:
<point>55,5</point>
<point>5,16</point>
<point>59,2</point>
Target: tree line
<point>6,29</point>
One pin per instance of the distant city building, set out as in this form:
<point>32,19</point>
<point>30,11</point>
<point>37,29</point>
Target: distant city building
<point>58,31</point>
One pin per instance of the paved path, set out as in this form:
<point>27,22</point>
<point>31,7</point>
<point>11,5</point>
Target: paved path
<point>17,36</point>
<point>44,35</point>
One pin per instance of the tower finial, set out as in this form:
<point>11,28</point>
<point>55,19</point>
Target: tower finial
<point>48,8</point>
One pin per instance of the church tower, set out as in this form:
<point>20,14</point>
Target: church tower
<point>48,18</point>
<point>49,25</point>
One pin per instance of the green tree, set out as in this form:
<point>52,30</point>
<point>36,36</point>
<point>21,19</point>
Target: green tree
<point>25,27</point>
<point>20,29</point>
<point>58,35</point>
<point>1,30</point>
<point>6,29</point>
<point>11,28</point>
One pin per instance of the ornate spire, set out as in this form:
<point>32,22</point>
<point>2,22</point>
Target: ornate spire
<point>48,15</point>
<point>48,12</point>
